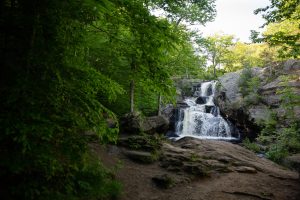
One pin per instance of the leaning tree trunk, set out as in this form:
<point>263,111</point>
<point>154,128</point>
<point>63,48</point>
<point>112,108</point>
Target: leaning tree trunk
<point>132,96</point>
<point>215,71</point>
<point>159,105</point>
<point>214,64</point>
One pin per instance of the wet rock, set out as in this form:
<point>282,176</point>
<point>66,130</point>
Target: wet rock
<point>201,100</point>
<point>182,104</point>
<point>171,134</point>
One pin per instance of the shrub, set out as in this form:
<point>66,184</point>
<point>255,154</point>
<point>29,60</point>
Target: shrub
<point>251,146</point>
<point>248,87</point>
<point>282,134</point>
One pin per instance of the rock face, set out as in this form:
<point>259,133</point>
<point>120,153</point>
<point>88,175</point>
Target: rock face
<point>201,158</point>
<point>247,118</point>
<point>199,169</point>
<point>134,123</point>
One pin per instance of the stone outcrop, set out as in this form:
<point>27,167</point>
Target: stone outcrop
<point>247,117</point>
<point>134,123</point>
<point>201,158</point>
<point>198,169</point>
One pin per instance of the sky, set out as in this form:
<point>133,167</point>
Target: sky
<point>236,17</point>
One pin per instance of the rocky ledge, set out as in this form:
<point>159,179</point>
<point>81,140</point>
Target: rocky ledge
<point>196,169</point>
<point>247,116</point>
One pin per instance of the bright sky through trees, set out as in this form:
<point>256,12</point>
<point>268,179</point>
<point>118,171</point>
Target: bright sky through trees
<point>236,17</point>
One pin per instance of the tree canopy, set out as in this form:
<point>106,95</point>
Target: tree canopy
<point>282,20</point>
<point>66,70</point>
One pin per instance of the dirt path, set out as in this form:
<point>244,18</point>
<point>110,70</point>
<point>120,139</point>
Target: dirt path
<point>270,181</point>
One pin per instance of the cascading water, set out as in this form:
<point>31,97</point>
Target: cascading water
<point>202,119</point>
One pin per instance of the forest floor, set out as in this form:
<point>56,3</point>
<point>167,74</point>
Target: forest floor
<point>246,177</point>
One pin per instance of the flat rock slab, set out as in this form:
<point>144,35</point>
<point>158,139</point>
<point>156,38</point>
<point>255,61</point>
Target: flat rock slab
<point>244,169</point>
<point>139,156</point>
<point>219,156</point>
<point>180,172</point>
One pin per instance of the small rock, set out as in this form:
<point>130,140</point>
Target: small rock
<point>140,156</point>
<point>245,169</point>
<point>163,181</point>
<point>201,100</point>
<point>134,123</point>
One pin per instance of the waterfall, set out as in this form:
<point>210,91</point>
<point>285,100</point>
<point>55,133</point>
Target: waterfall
<point>201,118</point>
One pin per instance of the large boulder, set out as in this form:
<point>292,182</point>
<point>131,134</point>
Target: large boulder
<point>230,102</point>
<point>134,123</point>
<point>245,116</point>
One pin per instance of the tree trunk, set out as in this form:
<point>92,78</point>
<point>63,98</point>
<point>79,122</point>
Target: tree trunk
<point>178,21</point>
<point>132,96</point>
<point>214,71</point>
<point>214,65</point>
<point>159,105</point>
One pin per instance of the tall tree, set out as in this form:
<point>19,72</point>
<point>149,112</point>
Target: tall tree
<point>284,15</point>
<point>190,11</point>
<point>216,49</point>
<point>49,98</point>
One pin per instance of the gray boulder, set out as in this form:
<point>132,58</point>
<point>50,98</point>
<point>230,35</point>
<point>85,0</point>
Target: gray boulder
<point>247,116</point>
<point>134,123</point>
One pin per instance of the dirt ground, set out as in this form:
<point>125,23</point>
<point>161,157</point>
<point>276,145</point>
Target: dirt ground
<point>272,183</point>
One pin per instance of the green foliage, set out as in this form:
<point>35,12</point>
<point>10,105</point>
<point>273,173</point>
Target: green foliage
<point>279,10</point>
<point>243,82</point>
<point>243,55</point>
<point>286,141</point>
<point>187,10</point>
<point>285,36</point>
<point>277,153</point>
<point>268,132</point>
<point>145,142</point>
<point>251,145</point>
<point>63,64</point>
<point>282,18</point>
<point>216,49</point>
<point>249,85</point>
<point>289,98</point>
<point>50,97</point>
<point>281,134</point>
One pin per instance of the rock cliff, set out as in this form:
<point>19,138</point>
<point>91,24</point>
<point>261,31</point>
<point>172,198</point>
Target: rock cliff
<point>247,117</point>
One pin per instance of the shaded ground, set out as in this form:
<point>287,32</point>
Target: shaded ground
<point>233,173</point>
